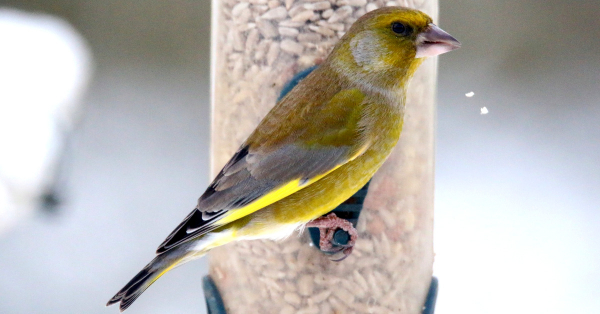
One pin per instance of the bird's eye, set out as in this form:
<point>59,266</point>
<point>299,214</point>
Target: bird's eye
<point>400,28</point>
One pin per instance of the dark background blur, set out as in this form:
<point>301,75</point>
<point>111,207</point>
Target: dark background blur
<point>516,192</point>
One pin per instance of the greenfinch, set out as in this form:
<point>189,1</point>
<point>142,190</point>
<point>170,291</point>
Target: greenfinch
<point>321,143</point>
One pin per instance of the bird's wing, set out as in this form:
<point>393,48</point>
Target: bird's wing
<point>276,162</point>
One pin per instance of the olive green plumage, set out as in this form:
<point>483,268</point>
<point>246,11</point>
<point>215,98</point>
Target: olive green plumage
<point>320,144</point>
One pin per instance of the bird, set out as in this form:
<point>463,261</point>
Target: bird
<point>317,146</point>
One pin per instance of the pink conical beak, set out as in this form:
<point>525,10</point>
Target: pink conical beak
<point>435,41</point>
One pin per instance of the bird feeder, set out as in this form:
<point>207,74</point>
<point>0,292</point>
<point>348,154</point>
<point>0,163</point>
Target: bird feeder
<point>257,47</point>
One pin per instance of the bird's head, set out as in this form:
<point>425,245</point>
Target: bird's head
<point>386,46</point>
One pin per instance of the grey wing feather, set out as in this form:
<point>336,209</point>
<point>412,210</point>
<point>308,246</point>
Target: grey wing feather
<point>249,176</point>
<point>256,174</point>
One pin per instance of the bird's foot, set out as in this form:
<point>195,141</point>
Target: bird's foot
<point>337,235</point>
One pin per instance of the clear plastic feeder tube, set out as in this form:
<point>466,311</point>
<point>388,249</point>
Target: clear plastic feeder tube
<point>258,46</point>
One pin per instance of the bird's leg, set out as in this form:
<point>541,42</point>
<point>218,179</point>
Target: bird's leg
<point>328,225</point>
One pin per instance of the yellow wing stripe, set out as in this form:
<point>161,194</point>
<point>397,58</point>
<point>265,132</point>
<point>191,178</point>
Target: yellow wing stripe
<point>280,193</point>
<point>268,199</point>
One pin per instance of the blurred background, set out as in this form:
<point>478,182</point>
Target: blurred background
<point>516,226</point>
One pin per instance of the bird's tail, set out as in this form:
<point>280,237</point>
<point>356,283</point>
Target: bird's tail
<point>147,276</point>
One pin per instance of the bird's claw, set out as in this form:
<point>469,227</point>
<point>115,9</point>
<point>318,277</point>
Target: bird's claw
<point>333,240</point>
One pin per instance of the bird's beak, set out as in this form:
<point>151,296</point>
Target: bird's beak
<point>435,41</point>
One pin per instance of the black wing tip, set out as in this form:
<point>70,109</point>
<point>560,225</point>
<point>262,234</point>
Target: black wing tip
<point>116,299</point>
<point>119,296</point>
<point>199,222</point>
<point>113,301</point>
<point>170,241</point>
<point>122,306</point>
<point>182,233</point>
<point>132,289</point>
<point>125,299</point>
